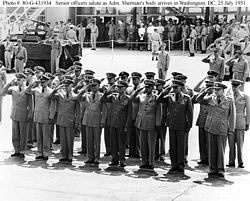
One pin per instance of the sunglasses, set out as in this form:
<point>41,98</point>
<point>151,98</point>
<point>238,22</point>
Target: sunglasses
<point>235,85</point>
<point>18,79</point>
<point>218,89</point>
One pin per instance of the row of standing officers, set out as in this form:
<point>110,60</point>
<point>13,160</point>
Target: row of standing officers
<point>143,111</point>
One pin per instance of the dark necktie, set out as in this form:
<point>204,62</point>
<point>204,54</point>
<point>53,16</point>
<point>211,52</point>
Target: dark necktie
<point>42,90</point>
<point>135,87</point>
<point>67,95</point>
<point>93,96</point>
<point>20,89</point>
<point>219,100</point>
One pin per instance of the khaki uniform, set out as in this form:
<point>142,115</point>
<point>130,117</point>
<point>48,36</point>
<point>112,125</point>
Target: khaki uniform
<point>156,41</point>
<point>56,51</point>
<point>163,64</point>
<point>240,70</point>
<point>8,51</point>
<point>41,118</point>
<point>179,120</point>
<point>61,32</point>
<point>2,83</point>
<point>216,65</point>
<point>204,39</point>
<point>92,120</point>
<point>20,58</point>
<point>192,39</point>
<point>220,120</point>
<point>93,35</point>
<point>81,36</point>
<point>19,114</point>
<point>68,116</point>
<point>242,105</point>
<point>146,123</point>
<point>120,119</point>
<point>171,30</point>
<point>71,35</point>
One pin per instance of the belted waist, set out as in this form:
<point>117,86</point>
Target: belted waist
<point>7,50</point>
<point>20,58</point>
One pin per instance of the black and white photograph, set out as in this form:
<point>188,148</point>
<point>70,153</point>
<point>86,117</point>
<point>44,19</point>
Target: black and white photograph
<point>124,100</point>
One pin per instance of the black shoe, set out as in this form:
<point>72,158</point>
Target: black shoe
<point>241,165</point>
<point>186,161</point>
<point>89,162</point>
<point>82,152</point>
<point>96,162</point>
<point>39,158</point>
<point>156,59</point>
<point>21,155</point>
<point>203,162</point>
<point>107,154</point>
<point>151,167</point>
<point>123,164</point>
<point>157,158</point>
<point>181,170</point>
<point>92,49</point>
<point>173,169</point>
<point>152,58</point>
<point>15,155</point>
<point>70,160</point>
<point>221,174</point>
<point>143,166</point>
<point>211,173</point>
<point>113,164</point>
<point>230,165</point>
<point>63,159</point>
<point>45,158</point>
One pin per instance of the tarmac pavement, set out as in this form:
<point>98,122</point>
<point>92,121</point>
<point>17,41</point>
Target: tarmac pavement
<point>31,180</point>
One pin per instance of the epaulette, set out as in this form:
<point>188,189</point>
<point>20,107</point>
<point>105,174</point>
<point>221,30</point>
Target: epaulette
<point>186,95</point>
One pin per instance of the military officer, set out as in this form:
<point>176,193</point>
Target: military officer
<point>192,39</point>
<point>81,35</point>
<point>77,73</point>
<point>20,56</point>
<point>92,118</point>
<point>163,62</point>
<point>120,122</point>
<point>131,38</point>
<point>134,144</point>
<point>240,68</point>
<point>161,128</point>
<point>180,118</point>
<point>42,115</point>
<point>2,83</point>
<point>94,34</point>
<point>124,76</point>
<point>146,122</point>
<point>242,105</point>
<point>68,117</point>
<point>30,124</point>
<point>203,38</point>
<point>220,123</point>
<point>56,51</point>
<point>201,121</point>
<point>8,52</point>
<point>19,113</point>
<point>211,76</point>
<point>71,34</point>
<point>107,116</point>
<point>39,71</point>
<point>198,29</point>
<point>150,75</point>
<point>156,42</point>
<point>216,64</point>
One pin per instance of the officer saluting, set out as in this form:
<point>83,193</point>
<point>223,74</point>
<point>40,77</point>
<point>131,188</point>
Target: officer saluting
<point>19,113</point>
<point>145,122</point>
<point>216,64</point>
<point>68,117</point>
<point>120,122</point>
<point>242,104</point>
<point>220,123</point>
<point>180,119</point>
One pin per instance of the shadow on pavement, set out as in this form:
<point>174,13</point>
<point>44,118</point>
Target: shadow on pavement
<point>214,182</point>
<point>142,174</point>
<point>173,177</point>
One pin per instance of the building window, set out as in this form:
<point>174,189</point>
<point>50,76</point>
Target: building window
<point>85,10</point>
